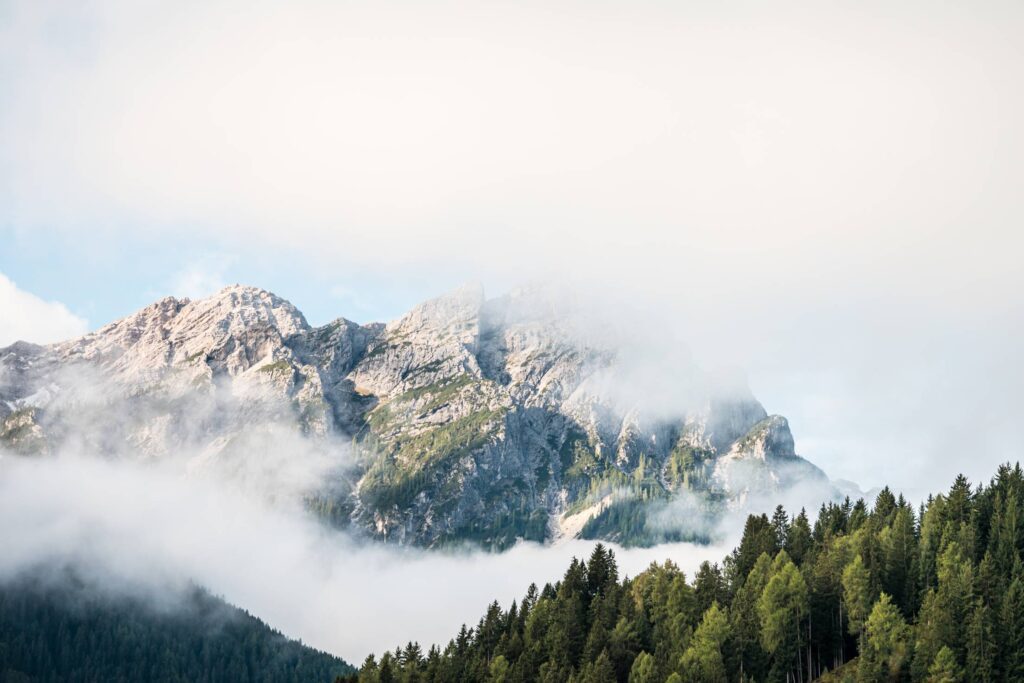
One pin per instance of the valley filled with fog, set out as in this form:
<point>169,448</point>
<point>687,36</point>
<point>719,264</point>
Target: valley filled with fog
<point>150,530</point>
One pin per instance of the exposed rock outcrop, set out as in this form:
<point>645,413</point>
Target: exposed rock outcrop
<point>471,419</point>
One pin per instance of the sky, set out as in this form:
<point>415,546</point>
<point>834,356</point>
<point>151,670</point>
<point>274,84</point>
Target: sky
<point>826,197</point>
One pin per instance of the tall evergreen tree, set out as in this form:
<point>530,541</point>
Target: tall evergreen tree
<point>945,668</point>
<point>982,649</point>
<point>886,641</point>
<point>782,607</point>
<point>703,661</point>
<point>1011,632</point>
<point>857,595</point>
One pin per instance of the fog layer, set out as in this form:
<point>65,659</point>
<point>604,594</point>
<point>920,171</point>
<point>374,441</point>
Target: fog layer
<point>144,527</point>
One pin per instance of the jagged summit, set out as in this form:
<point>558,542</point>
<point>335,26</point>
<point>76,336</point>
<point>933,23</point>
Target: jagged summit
<point>455,313</point>
<point>471,418</point>
<point>232,329</point>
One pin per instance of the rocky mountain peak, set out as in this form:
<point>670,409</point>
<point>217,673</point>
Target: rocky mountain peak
<point>454,315</point>
<point>239,308</point>
<point>231,330</point>
<point>471,418</point>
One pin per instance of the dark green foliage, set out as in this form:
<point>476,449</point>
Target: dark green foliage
<point>505,529</point>
<point>759,538</point>
<point>628,522</point>
<point>869,593</point>
<point>72,634</point>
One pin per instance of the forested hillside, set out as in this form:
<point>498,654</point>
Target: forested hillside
<point>70,634</point>
<point>881,592</point>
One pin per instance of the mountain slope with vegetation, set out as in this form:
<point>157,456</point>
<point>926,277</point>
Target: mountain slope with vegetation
<point>68,633</point>
<point>867,593</point>
<point>466,419</point>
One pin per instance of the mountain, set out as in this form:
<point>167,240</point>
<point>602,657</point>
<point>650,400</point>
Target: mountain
<point>70,632</point>
<point>466,419</point>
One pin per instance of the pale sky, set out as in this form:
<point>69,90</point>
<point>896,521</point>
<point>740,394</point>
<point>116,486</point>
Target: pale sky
<point>825,195</point>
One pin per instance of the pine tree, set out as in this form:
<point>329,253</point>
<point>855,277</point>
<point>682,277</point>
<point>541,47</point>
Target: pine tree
<point>982,649</point>
<point>886,644</point>
<point>1011,632</point>
<point>858,515</point>
<point>709,587</point>
<point>945,668</point>
<point>857,595</point>
<point>368,673</point>
<point>644,670</point>
<point>780,527</point>
<point>885,506</point>
<point>781,617</point>
<point>933,632</point>
<point>959,501</point>
<point>703,661</point>
<point>598,671</point>
<point>956,594</point>
<point>602,571</point>
<point>498,671</point>
<point>799,540</point>
<point>782,606</point>
<point>746,623</point>
<point>899,548</point>
<point>758,537</point>
<point>624,642</point>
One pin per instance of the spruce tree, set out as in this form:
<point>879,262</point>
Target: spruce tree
<point>982,649</point>
<point>1011,632</point>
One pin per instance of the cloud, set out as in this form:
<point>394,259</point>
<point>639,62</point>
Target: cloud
<point>202,277</point>
<point>226,511</point>
<point>137,527</point>
<point>26,317</point>
<point>228,514</point>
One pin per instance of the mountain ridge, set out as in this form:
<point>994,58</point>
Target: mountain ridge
<point>467,418</point>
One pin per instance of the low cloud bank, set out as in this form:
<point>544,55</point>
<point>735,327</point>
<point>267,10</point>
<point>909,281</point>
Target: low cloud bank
<point>147,527</point>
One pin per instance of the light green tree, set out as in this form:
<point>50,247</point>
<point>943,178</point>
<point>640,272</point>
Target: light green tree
<point>886,643</point>
<point>499,669</point>
<point>783,604</point>
<point>945,668</point>
<point>598,671</point>
<point>703,660</point>
<point>857,594</point>
<point>644,669</point>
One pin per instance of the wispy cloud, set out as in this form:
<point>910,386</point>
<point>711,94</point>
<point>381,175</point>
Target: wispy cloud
<point>203,276</point>
<point>24,316</point>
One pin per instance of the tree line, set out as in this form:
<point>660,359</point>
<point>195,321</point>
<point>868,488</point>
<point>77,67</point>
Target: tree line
<point>69,632</point>
<point>880,592</point>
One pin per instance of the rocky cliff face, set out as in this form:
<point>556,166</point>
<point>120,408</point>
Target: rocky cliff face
<point>466,419</point>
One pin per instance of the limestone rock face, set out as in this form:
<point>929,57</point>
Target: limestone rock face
<point>763,459</point>
<point>466,419</point>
